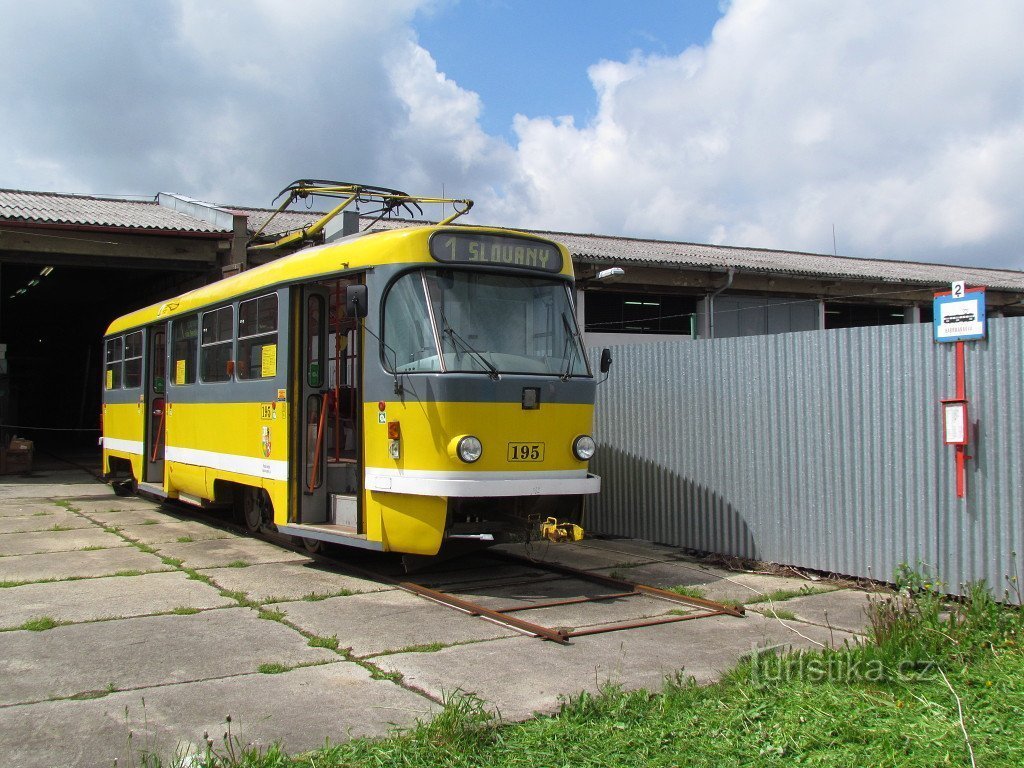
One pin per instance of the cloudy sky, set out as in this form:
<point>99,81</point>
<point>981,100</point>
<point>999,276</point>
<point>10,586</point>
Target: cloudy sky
<point>898,125</point>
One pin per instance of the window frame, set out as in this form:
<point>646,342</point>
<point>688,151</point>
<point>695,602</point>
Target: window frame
<point>204,346</point>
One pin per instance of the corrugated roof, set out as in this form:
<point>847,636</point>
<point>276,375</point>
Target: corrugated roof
<point>84,210</point>
<point>623,251</point>
<point>49,207</point>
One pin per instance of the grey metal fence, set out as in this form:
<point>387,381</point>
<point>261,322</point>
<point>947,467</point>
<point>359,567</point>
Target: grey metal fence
<point>820,449</point>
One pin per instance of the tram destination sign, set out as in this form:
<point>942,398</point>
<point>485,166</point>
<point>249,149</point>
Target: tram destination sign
<point>495,250</point>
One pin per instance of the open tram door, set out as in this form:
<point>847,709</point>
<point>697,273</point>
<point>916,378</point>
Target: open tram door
<point>330,423</point>
<point>155,405</point>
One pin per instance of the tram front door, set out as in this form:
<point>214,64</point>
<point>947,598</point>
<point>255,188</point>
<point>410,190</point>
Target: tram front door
<point>331,406</point>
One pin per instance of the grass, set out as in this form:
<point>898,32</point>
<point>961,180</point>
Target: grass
<point>182,610</point>
<point>271,615</point>
<point>780,613</point>
<point>687,591</point>
<point>128,573</point>
<point>59,527</point>
<point>237,564</point>
<point>272,669</point>
<point>324,642</point>
<point>185,539</point>
<point>40,624</point>
<point>938,684</point>
<point>781,595</point>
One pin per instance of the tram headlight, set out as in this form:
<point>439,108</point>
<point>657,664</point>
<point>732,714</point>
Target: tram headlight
<point>469,449</point>
<point>583,447</point>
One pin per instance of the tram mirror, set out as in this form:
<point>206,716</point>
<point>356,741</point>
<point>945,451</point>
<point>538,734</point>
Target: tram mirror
<point>355,300</point>
<point>606,360</point>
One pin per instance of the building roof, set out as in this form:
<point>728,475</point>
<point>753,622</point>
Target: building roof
<point>54,208</point>
<point>86,210</point>
<point>599,249</point>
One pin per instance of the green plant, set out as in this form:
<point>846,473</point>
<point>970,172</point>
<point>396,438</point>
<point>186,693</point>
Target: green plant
<point>272,668</point>
<point>40,624</point>
<point>238,564</point>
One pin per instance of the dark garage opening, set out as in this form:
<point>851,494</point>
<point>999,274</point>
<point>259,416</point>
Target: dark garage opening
<point>52,320</point>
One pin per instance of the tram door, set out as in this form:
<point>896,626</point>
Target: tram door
<point>156,406</point>
<point>331,404</point>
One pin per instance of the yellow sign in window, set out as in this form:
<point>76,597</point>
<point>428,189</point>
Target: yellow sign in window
<point>269,361</point>
<point>110,378</point>
<point>179,372</point>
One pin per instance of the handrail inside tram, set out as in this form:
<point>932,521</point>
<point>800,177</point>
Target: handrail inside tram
<point>389,201</point>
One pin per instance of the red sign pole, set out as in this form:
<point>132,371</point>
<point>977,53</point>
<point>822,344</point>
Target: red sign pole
<point>961,394</point>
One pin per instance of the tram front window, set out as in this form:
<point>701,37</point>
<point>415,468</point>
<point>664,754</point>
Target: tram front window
<point>484,323</point>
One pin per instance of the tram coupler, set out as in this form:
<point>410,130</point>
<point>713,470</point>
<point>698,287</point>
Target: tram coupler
<point>552,530</point>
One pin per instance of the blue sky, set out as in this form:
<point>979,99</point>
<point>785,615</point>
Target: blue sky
<point>898,125</point>
<point>531,57</point>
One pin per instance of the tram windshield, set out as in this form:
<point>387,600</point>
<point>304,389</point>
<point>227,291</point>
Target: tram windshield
<point>484,323</point>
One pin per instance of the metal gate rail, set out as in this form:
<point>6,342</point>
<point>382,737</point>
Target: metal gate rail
<point>558,635</point>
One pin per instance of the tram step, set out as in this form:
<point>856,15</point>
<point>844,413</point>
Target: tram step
<point>153,490</point>
<point>334,534</point>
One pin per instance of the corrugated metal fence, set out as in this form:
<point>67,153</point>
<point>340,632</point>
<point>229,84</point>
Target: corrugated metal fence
<point>820,449</point>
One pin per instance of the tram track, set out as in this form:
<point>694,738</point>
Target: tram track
<point>445,587</point>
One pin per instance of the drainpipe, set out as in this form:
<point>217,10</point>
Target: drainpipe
<point>711,301</point>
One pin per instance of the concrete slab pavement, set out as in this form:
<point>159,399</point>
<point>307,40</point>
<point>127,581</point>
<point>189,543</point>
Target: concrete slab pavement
<point>45,521</point>
<point>78,565</point>
<point>51,484</point>
<point>193,669</point>
<point>303,708</point>
<point>520,676</point>
<point>278,582</point>
<point>38,542</point>
<point>134,653</point>
<point>106,598</point>
<point>215,553</point>
<point>384,622</point>
<point>163,532</point>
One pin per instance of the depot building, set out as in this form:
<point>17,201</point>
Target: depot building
<point>69,264</point>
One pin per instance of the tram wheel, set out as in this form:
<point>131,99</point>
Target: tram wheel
<point>255,505</point>
<point>313,546</point>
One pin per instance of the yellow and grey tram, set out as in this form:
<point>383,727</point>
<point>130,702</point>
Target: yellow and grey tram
<point>391,390</point>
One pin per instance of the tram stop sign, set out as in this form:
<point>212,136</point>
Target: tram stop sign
<point>959,314</point>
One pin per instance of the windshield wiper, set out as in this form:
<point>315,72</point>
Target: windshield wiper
<point>466,346</point>
<point>570,338</point>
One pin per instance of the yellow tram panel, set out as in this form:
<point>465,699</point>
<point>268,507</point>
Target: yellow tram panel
<point>427,428</point>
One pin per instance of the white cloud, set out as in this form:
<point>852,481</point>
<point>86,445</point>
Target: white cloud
<point>901,123</point>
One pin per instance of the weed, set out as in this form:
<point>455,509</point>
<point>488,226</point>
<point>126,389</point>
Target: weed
<point>59,527</point>
<point>149,522</point>
<point>41,624</point>
<point>272,668</point>
<point>93,548</point>
<point>128,573</point>
<point>271,615</point>
<point>781,595</point>
<point>314,597</point>
<point>324,642</point>
<point>687,591</point>
<point>780,613</point>
<point>237,564</point>
<point>9,584</point>
<point>185,539</point>
<point>41,513</point>
<point>184,611</point>
<point>171,561</point>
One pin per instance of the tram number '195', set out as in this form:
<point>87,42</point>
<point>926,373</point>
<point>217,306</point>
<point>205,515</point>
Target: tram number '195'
<point>526,451</point>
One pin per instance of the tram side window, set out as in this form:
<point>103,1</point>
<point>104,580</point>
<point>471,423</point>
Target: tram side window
<point>133,360</point>
<point>257,338</point>
<point>114,355</point>
<point>185,336</point>
<point>215,345</point>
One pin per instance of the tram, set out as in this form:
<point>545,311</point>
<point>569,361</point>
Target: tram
<point>394,390</point>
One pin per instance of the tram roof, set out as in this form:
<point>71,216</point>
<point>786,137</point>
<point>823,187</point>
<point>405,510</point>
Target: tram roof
<point>406,245</point>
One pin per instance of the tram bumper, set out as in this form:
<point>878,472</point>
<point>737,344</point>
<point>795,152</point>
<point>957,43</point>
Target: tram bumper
<point>481,484</point>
